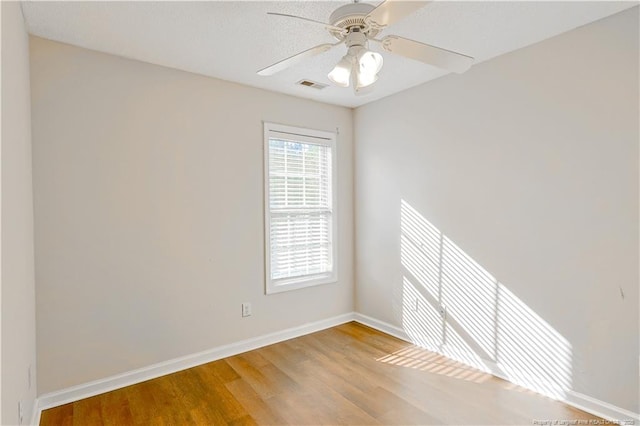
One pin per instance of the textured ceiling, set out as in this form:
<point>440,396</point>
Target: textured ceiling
<point>231,40</point>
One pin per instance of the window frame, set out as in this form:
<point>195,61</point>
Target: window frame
<point>308,136</point>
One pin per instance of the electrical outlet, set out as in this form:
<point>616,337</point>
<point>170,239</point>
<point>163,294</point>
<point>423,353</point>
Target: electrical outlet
<point>20,412</point>
<point>246,309</point>
<point>443,312</point>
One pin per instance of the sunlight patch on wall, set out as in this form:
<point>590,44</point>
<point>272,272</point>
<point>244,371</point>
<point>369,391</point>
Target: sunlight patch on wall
<point>469,294</point>
<point>428,329</point>
<point>452,305</point>
<point>421,320</point>
<point>530,352</point>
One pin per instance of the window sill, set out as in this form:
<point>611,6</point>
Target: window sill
<point>288,285</point>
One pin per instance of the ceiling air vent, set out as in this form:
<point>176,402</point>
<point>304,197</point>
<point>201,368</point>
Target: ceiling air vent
<point>314,84</point>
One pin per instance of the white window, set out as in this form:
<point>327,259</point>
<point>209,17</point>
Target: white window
<point>300,201</point>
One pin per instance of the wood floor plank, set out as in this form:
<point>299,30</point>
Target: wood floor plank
<point>431,393</point>
<point>115,409</point>
<point>331,402</point>
<point>142,403</point>
<point>260,411</point>
<point>227,404</point>
<point>219,371</point>
<point>267,381</point>
<point>346,386</point>
<point>349,374</point>
<point>62,415</point>
<point>205,414</point>
<point>88,412</point>
<point>243,421</point>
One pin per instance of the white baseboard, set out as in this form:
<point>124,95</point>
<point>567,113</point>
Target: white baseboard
<point>583,402</point>
<point>385,327</point>
<point>599,408</point>
<point>575,399</point>
<point>128,378</point>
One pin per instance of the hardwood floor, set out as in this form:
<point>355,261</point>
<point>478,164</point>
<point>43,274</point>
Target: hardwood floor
<point>350,374</point>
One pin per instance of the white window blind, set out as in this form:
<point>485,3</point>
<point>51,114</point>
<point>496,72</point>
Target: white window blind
<point>299,204</point>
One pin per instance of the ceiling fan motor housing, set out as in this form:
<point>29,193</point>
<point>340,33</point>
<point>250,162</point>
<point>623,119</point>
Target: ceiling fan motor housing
<point>350,16</point>
<point>356,38</point>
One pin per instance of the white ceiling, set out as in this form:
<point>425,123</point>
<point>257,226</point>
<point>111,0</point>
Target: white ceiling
<point>231,40</point>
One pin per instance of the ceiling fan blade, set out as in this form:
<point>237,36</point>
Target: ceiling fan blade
<point>328,26</point>
<point>436,56</point>
<point>295,59</point>
<point>391,11</point>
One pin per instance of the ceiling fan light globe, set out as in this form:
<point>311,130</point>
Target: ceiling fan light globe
<point>369,62</point>
<point>340,76</point>
<point>341,73</point>
<point>365,80</point>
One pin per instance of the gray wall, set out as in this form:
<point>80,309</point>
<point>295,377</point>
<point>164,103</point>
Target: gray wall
<point>509,195</point>
<point>18,299</point>
<point>148,187</point>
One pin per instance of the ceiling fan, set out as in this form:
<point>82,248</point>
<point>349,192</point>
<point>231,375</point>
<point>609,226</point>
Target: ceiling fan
<point>358,23</point>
